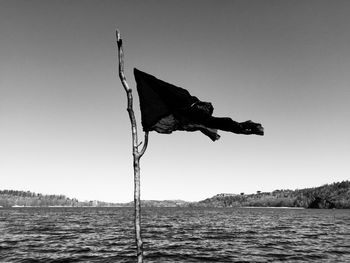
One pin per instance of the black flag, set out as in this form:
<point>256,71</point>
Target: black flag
<point>166,108</point>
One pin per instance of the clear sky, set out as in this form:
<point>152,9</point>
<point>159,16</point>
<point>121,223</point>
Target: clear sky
<point>64,128</point>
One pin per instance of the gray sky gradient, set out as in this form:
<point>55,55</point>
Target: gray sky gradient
<point>63,123</point>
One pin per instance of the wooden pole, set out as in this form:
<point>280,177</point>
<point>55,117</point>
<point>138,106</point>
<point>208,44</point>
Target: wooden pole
<point>136,153</point>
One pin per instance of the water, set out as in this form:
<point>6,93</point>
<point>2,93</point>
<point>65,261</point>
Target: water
<point>175,235</point>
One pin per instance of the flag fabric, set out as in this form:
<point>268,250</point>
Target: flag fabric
<point>166,108</point>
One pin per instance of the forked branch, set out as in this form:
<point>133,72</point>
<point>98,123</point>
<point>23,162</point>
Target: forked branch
<point>144,147</point>
<point>136,154</point>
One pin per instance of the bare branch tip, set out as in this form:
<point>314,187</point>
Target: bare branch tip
<point>119,39</point>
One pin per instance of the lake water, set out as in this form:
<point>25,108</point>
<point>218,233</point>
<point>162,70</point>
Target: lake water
<point>175,235</point>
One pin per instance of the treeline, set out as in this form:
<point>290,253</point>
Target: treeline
<point>9,198</point>
<point>336,195</point>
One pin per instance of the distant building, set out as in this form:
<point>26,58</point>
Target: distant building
<point>225,195</point>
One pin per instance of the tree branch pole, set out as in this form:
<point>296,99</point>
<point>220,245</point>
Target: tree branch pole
<point>136,153</point>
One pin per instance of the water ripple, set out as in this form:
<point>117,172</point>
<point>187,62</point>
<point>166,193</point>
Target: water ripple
<point>174,235</point>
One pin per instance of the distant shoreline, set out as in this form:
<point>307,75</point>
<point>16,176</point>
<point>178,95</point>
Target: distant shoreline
<point>236,207</point>
<point>274,207</point>
<point>329,196</point>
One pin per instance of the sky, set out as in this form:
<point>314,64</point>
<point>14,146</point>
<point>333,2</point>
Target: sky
<point>64,128</point>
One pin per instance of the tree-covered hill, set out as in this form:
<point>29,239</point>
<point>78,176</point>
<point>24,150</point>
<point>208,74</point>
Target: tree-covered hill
<point>336,195</point>
<point>9,198</point>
